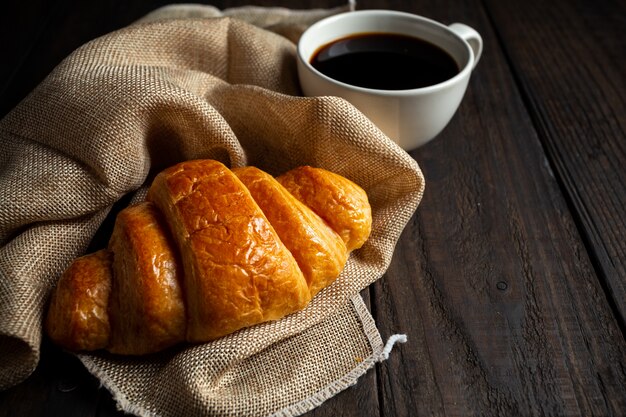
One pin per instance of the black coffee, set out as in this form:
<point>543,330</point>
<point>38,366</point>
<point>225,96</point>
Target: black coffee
<point>385,61</point>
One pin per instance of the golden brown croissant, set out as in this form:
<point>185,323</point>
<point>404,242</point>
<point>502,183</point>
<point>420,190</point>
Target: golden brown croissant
<point>211,251</point>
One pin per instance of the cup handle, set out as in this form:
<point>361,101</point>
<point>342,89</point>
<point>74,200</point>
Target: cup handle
<point>472,37</point>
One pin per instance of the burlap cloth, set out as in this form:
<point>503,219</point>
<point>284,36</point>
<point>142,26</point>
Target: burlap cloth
<point>137,100</point>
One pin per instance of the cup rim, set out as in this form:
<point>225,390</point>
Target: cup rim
<point>464,72</point>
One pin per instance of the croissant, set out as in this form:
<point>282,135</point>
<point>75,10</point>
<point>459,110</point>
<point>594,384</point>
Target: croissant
<point>210,251</point>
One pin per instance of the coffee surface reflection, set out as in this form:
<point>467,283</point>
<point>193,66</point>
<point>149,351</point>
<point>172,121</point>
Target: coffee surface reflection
<point>384,61</point>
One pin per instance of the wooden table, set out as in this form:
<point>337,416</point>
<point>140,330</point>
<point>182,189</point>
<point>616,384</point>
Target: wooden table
<point>510,279</point>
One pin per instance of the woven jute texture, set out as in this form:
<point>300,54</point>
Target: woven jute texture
<point>205,84</point>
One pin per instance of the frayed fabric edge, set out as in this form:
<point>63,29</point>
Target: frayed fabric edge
<point>393,339</point>
<point>380,353</point>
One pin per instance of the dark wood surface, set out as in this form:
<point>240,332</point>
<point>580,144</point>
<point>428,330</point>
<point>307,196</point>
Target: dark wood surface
<point>510,279</point>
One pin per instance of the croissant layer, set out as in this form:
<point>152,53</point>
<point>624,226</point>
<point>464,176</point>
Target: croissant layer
<point>211,251</point>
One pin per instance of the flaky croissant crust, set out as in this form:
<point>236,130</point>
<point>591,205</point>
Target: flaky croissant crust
<point>210,251</point>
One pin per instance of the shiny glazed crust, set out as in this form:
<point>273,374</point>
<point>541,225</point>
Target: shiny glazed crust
<point>211,251</point>
<point>146,307</point>
<point>319,251</point>
<point>77,315</point>
<point>340,202</point>
<point>240,272</point>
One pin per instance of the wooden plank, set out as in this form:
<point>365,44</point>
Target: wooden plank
<point>491,282</point>
<point>579,110</point>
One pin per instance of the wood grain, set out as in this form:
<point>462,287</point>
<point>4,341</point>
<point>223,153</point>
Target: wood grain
<point>502,306</point>
<point>579,111</point>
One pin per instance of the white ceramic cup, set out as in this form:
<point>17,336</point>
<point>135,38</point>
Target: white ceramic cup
<point>409,117</point>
